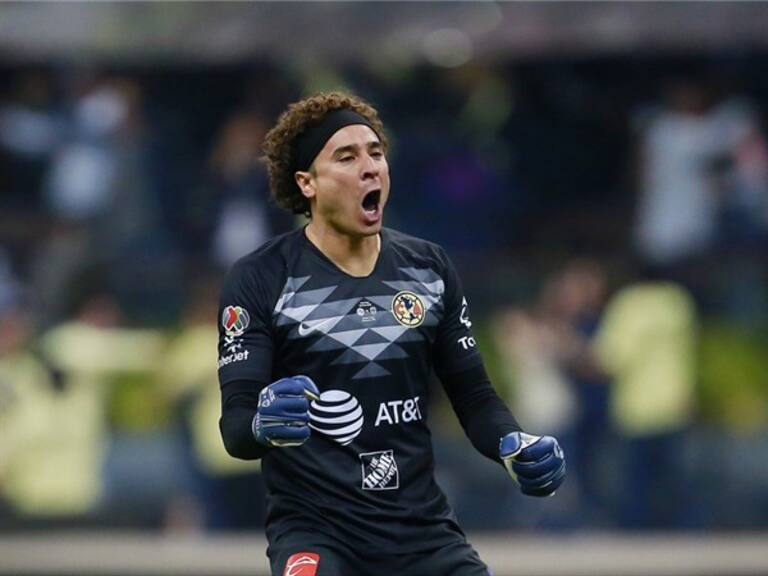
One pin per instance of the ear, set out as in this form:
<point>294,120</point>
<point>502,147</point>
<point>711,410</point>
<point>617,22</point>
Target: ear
<point>306,184</point>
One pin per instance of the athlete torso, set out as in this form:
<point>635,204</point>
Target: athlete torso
<point>371,345</point>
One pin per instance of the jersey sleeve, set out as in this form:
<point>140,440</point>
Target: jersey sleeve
<point>483,415</point>
<point>455,347</point>
<point>245,336</point>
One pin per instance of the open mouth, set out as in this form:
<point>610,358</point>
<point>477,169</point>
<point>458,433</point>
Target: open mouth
<point>371,201</point>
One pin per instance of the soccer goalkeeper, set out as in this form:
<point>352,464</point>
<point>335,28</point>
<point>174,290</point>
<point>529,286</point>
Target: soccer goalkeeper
<point>328,338</point>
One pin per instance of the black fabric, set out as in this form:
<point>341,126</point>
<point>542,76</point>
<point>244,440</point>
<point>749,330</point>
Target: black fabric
<point>371,345</point>
<point>308,144</point>
<point>333,558</point>
<point>483,415</point>
<point>456,558</point>
<point>239,401</point>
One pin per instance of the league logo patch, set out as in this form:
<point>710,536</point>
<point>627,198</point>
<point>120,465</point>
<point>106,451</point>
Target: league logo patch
<point>235,320</point>
<point>408,309</point>
<point>302,564</point>
<point>380,470</point>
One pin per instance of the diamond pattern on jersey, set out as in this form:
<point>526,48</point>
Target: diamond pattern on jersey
<point>371,337</point>
<point>371,370</point>
<point>371,351</point>
<point>289,291</point>
<point>335,325</point>
<point>349,356</point>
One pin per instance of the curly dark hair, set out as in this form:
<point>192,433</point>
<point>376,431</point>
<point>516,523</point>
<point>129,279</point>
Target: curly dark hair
<point>278,143</point>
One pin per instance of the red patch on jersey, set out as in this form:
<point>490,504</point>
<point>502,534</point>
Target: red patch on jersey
<point>302,564</point>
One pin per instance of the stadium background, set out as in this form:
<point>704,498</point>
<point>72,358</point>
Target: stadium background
<point>524,138</point>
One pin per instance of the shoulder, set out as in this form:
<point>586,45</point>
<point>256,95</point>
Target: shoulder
<point>274,251</point>
<point>416,248</point>
<point>264,268</point>
<point>423,254</point>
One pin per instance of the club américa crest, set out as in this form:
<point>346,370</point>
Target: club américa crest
<point>408,309</point>
<point>235,320</point>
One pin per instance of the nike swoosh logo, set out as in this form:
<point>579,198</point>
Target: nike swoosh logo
<point>306,328</point>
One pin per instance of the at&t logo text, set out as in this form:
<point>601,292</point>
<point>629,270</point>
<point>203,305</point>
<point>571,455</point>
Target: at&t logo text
<point>396,411</point>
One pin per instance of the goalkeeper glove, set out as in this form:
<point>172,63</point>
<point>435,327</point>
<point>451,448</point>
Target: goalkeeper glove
<point>536,463</point>
<point>282,417</point>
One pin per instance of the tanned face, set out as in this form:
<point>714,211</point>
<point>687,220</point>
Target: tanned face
<point>348,184</point>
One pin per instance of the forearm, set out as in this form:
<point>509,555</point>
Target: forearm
<point>239,403</point>
<point>482,413</point>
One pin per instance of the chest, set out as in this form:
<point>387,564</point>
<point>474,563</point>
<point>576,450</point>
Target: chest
<point>363,325</point>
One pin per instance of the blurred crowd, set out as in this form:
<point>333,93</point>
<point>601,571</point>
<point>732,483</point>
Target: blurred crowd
<point>609,219</point>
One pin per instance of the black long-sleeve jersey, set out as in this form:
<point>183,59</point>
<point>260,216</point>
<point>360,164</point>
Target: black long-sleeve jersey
<point>371,344</point>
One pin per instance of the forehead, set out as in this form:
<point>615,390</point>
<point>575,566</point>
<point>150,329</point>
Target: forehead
<point>356,134</point>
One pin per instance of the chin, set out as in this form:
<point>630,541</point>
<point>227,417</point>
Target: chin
<point>362,233</point>
<point>371,229</point>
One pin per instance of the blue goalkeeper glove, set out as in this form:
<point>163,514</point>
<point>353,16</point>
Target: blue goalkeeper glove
<point>536,463</point>
<point>282,417</point>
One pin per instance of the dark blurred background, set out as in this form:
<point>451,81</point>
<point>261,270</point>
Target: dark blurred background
<point>597,171</point>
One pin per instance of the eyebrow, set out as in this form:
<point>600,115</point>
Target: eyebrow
<point>373,144</point>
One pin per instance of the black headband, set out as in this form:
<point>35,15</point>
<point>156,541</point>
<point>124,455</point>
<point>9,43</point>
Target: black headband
<point>308,144</point>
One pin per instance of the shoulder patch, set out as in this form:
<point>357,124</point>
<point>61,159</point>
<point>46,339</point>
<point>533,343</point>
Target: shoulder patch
<point>235,320</point>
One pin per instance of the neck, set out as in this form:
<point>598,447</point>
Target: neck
<point>355,255</point>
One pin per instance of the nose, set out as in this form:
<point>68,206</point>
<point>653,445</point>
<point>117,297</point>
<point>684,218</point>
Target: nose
<point>370,168</point>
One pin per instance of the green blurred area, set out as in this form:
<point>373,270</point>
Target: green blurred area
<point>733,376</point>
<point>137,405</point>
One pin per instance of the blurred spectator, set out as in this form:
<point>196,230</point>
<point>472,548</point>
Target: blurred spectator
<point>680,143</point>
<point>578,295</point>
<point>30,128</point>
<point>231,214</point>
<point>86,353</point>
<point>28,484</point>
<point>556,384</point>
<point>703,184</point>
<point>230,493</point>
<point>81,181</point>
<point>646,343</point>
<point>101,199</point>
<point>541,394</point>
<point>742,179</point>
<point>743,174</point>
<point>55,436</point>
